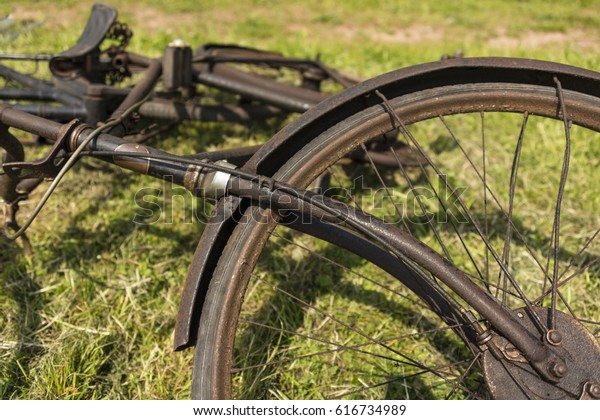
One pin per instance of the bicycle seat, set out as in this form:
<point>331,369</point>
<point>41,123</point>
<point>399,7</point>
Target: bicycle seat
<point>67,63</point>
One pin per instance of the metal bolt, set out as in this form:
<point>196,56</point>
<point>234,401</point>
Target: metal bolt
<point>558,369</point>
<point>594,390</point>
<point>554,337</point>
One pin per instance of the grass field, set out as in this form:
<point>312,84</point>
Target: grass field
<point>91,314</point>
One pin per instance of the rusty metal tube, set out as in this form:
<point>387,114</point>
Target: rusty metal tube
<point>256,87</point>
<point>142,89</point>
<point>177,111</point>
<point>31,123</point>
<point>14,152</point>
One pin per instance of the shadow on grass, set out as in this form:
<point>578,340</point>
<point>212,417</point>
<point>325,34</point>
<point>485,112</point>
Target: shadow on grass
<point>309,280</point>
<point>75,244</point>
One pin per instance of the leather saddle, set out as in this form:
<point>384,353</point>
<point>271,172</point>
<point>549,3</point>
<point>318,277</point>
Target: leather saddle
<point>80,59</point>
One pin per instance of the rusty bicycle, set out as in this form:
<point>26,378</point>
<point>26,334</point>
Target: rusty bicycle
<point>333,253</point>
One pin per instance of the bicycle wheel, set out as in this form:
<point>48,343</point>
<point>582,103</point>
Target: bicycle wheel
<point>502,198</point>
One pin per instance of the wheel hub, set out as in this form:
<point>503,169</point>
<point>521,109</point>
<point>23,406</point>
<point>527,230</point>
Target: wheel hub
<point>511,377</point>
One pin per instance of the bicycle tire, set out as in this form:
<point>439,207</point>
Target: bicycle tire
<point>218,326</point>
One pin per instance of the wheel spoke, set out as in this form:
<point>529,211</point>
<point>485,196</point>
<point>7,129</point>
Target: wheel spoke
<point>349,270</point>
<point>406,360</point>
<point>441,370</point>
<point>487,190</point>
<point>578,254</point>
<point>511,199</point>
<point>472,220</point>
<point>338,348</point>
<point>386,188</point>
<point>485,198</point>
<point>422,206</point>
<point>568,279</point>
<point>563,179</point>
<point>464,375</point>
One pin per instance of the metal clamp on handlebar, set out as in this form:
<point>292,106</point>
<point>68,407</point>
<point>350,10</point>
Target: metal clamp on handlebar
<point>208,183</point>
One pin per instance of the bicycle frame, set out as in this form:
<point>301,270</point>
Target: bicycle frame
<point>85,75</point>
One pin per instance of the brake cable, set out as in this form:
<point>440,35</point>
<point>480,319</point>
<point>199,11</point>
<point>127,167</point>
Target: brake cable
<point>68,164</point>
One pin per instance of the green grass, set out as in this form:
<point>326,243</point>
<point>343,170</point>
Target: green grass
<point>91,314</point>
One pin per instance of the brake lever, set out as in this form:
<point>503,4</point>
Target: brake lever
<point>51,164</point>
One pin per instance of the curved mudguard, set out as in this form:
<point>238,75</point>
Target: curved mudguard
<point>330,112</point>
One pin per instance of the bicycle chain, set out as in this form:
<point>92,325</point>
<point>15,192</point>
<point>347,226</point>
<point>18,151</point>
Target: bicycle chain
<point>121,33</point>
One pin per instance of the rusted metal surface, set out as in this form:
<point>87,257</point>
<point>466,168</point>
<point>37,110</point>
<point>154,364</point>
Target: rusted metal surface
<point>136,165</point>
<point>136,94</point>
<point>343,238</point>
<point>37,86</point>
<point>13,152</point>
<point>49,165</point>
<point>83,59</point>
<point>415,78</point>
<point>11,191</point>
<point>84,75</point>
<point>209,249</point>
<point>86,98</point>
<point>543,357</point>
<point>31,123</point>
<point>180,111</point>
<point>536,353</point>
<point>256,87</point>
<point>511,377</point>
<point>177,66</point>
<point>591,391</point>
